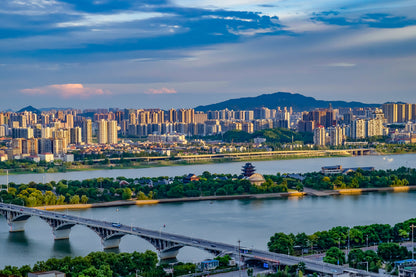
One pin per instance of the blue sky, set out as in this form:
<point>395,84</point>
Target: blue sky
<point>182,53</point>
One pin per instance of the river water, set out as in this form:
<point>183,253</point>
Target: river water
<point>251,221</point>
<point>263,167</point>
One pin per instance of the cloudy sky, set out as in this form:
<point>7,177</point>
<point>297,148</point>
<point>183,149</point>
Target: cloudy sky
<point>182,53</point>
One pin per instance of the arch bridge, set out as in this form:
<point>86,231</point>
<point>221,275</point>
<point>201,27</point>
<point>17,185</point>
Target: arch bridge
<point>167,244</point>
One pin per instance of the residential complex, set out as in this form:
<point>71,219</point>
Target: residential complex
<point>31,134</point>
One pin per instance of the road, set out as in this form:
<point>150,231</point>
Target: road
<point>213,246</point>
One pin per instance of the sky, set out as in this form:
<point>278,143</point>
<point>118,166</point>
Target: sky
<point>185,53</point>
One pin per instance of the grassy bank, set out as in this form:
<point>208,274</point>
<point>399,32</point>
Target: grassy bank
<point>222,198</point>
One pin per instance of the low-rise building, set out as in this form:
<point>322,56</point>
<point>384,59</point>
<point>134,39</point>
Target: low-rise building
<point>53,273</point>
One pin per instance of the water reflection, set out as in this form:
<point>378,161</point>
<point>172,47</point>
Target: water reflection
<point>62,246</point>
<point>18,238</point>
<point>251,221</point>
<point>112,250</point>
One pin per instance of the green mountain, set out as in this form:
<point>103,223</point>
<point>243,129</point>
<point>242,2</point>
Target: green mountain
<point>297,101</point>
<point>276,135</point>
<point>29,109</point>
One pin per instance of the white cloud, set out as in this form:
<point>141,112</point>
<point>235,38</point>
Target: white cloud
<point>161,91</point>
<point>66,91</point>
<point>103,19</point>
<point>374,37</point>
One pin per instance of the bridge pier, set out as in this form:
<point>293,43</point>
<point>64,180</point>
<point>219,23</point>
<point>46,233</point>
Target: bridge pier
<point>17,226</point>
<point>59,234</point>
<point>16,220</point>
<point>60,228</point>
<point>109,238</point>
<point>169,253</point>
<point>111,243</point>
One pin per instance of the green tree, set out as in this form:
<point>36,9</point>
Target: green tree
<point>392,252</point>
<point>334,256</point>
<point>74,199</point>
<point>84,199</point>
<point>281,243</point>
<point>126,194</point>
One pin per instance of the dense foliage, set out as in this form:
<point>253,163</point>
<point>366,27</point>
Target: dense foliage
<point>361,179</point>
<point>272,136</point>
<point>207,184</point>
<point>339,236</point>
<point>110,189</point>
<point>96,264</point>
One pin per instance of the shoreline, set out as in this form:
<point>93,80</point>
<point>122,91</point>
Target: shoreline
<point>165,163</point>
<point>169,163</point>
<point>308,192</point>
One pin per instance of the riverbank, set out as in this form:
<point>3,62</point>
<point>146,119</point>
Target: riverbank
<point>191,160</point>
<point>170,200</point>
<point>307,192</point>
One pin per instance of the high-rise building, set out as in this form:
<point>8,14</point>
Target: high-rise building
<point>200,117</point>
<point>30,146</point>
<point>390,111</point>
<point>64,136</point>
<point>358,129</point>
<point>319,136</point>
<point>26,133</point>
<point>374,127</point>
<point>58,147</point>
<point>46,132</point>
<point>69,121</point>
<point>76,135</point>
<point>87,131</point>
<point>102,134</point>
<point>112,131</point>
<point>336,135</point>
<point>45,145</point>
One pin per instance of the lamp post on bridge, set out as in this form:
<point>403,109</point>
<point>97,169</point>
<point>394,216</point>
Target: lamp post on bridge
<point>348,246</point>
<point>239,258</point>
<point>413,248</point>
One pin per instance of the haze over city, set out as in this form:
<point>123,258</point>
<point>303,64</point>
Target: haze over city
<point>183,53</point>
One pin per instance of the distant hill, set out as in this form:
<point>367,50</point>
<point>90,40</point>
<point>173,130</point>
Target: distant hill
<point>297,101</point>
<point>30,109</point>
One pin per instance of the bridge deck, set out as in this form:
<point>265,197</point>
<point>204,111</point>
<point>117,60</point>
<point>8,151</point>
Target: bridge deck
<point>212,246</point>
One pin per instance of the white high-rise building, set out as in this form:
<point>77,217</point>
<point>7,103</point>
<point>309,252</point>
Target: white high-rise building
<point>75,135</point>
<point>358,129</point>
<point>112,132</point>
<point>336,135</point>
<point>102,134</point>
<point>375,127</point>
<point>87,131</point>
<point>319,136</point>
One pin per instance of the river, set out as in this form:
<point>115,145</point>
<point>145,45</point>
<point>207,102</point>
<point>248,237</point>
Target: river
<point>251,221</point>
<point>263,167</point>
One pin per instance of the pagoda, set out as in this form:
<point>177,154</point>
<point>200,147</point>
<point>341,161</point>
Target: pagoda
<point>248,170</point>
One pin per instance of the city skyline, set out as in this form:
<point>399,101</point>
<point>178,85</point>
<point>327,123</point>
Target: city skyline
<point>181,53</point>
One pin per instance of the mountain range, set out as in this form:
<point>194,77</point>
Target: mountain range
<point>297,101</point>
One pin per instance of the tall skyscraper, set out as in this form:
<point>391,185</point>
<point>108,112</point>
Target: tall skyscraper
<point>336,135</point>
<point>69,121</point>
<point>319,136</point>
<point>390,111</point>
<point>358,129</point>
<point>102,134</point>
<point>75,135</point>
<point>112,131</point>
<point>87,131</point>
